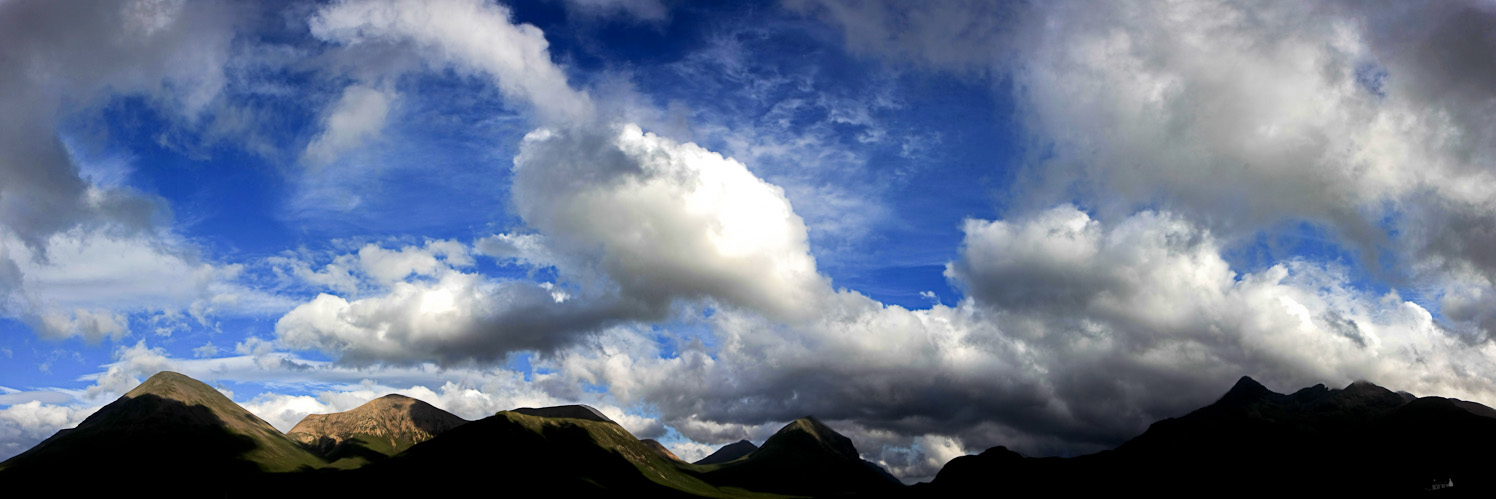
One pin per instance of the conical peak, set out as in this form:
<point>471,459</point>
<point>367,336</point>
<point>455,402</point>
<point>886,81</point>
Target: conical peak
<point>729,452</point>
<point>1246,390</point>
<point>1246,383</point>
<point>811,424</point>
<point>176,386</point>
<point>819,432</point>
<point>164,380</point>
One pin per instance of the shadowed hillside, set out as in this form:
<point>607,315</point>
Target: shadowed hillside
<point>729,452</point>
<point>549,456</point>
<point>660,449</point>
<point>804,458</point>
<point>171,425</point>
<point>1363,439</point>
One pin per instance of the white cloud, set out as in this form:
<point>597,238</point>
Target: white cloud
<point>170,54</point>
<point>634,222</point>
<point>525,249</point>
<point>86,283</point>
<point>1369,123</point>
<point>24,425</point>
<point>92,325</point>
<point>665,220</point>
<point>454,317</point>
<point>468,35</point>
<point>356,117</point>
<point>132,364</point>
<point>690,451</point>
<point>386,266</point>
<point>206,351</point>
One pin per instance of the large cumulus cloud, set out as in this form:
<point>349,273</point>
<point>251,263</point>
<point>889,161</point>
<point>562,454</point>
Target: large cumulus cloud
<point>632,221</point>
<point>80,250</point>
<point>1365,120</point>
<point>1070,329</point>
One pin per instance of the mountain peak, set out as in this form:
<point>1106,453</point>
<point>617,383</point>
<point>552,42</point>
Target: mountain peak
<point>813,428</point>
<point>173,420</point>
<point>381,427</point>
<point>806,458</point>
<point>729,452</point>
<point>175,386</point>
<point>1245,391</point>
<point>576,411</point>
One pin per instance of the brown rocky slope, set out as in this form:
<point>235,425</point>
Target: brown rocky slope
<point>380,428</point>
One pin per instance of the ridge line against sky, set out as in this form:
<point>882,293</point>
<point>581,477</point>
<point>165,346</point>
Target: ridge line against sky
<point>939,228</point>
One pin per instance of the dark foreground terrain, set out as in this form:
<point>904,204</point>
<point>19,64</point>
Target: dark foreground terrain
<point>176,437</point>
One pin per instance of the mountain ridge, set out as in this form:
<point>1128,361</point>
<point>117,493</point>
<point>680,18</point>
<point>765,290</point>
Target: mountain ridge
<point>1253,439</point>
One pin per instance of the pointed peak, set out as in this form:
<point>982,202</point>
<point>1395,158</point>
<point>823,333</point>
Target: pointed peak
<point>1247,383</point>
<point>818,432</point>
<point>729,452</point>
<point>176,386</point>
<point>1246,390</point>
<point>1362,385</point>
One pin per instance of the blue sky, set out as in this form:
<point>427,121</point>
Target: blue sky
<point>941,228</point>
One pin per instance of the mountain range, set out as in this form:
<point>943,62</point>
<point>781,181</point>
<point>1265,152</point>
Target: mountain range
<point>179,437</point>
<point>1361,439</point>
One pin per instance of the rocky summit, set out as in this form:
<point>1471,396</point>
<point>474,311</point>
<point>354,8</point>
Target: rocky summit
<point>382,427</point>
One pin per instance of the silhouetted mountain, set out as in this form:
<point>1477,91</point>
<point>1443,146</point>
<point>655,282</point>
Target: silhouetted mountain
<point>371,432</point>
<point>804,458</point>
<point>169,426</point>
<point>520,453</point>
<point>1357,440</point>
<point>566,411</point>
<point>660,449</point>
<point>729,452</point>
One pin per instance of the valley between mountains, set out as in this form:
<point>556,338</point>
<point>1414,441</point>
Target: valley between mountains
<point>178,437</point>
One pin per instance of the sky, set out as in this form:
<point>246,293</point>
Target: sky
<point>938,226</point>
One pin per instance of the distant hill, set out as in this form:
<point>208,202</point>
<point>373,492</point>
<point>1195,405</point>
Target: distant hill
<point>372,432</point>
<point>729,452</point>
<point>804,458</point>
<point>170,425</point>
<point>1362,439</point>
